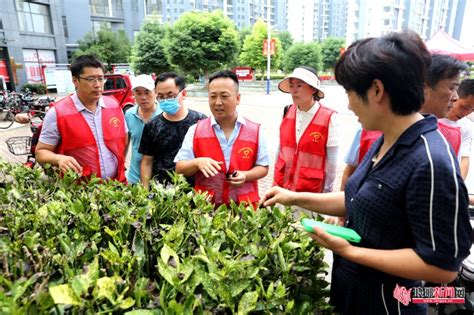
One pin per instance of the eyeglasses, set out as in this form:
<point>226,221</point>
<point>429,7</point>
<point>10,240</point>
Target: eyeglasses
<point>168,97</point>
<point>94,79</point>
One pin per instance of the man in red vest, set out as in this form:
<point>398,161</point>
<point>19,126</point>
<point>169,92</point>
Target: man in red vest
<point>85,132</point>
<point>226,153</point>
<point>307,155</point>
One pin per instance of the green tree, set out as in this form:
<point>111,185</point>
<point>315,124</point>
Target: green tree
<point>251,54</point>
<point>302,54</point>
<point>286,40</point>
<point>108,46</point>
<point>201,42</point>
<point>243,34</point>
<point>148,54</point>
<point>330,51</point>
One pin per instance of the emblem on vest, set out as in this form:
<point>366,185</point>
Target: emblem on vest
<point>316,136</point>
<point>114,121</point>
<point>246,152</point>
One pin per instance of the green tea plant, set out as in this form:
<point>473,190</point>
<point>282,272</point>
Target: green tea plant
<point>70,247</point>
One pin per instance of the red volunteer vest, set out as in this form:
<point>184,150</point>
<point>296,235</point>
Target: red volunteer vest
<point>77,139</point>
<point>300,166</point>
<point>367,137</point>
<point>452,134</point>
<point>243,158</point>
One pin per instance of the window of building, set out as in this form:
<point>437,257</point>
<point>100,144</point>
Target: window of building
<point>154,7</point>
<point>66,33</point>
<point>98,25</point>
<point>34,17</point>
<point>100,7</point>
<point>119,5</point>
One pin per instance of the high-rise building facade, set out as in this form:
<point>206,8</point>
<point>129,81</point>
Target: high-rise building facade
<point>83,16</point>
<point>310,20</point>
<point>378,17</point>
<point>31,36</point>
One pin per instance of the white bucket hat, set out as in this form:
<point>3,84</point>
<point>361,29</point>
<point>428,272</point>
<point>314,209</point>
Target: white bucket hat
<point>304,75</point>
<point>143,80</point>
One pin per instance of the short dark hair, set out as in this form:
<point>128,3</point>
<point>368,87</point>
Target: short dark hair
<point>225,74</point>
<point>398,60</point>
<point>178,80</point>
<point>466,88</point>
<point>81,62</point>
<point>443,67</point>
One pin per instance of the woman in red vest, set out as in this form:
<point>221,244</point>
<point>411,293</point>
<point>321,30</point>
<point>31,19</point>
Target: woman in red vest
<point>85,132</point>
<point>307,155</point>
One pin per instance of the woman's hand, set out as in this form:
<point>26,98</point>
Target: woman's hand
<point>337,244</point>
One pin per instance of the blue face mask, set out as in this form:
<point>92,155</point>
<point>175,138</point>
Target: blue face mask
<point>169,106</point>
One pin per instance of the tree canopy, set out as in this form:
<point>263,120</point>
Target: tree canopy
<point>108,46</point>
<point>302,54</point>
<point>251,54</point>
<point>202,42</point>
<point>330,51</point>
<point>148,54</point>
<point>286,40</point>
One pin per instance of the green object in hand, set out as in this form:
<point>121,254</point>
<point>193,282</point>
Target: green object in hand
<point>345,233</point>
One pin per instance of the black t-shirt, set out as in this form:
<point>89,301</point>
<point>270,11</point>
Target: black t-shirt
<point>162,139</point>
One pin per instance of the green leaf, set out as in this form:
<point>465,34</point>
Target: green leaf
<point>176,232</point>
<point>166,253</point>
<point>236,287</point>
<point>248,302</point>
<point>176,307</point>
<point>167,272</point>
<point>63,294</point>
<point>105,288</point>
<point>127,303</point>
<point>81,283</point>
<point>140,312</point>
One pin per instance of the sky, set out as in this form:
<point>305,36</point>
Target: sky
<point>467,38</point>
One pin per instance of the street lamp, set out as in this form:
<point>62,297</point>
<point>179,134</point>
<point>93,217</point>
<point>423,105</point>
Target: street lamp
<point>268,46</point>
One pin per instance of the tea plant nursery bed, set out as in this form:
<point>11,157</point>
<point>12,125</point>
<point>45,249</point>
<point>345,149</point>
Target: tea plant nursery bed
<point>103,247</point>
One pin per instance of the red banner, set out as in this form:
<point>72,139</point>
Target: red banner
<point>272,46</point>
<point>4,70</point>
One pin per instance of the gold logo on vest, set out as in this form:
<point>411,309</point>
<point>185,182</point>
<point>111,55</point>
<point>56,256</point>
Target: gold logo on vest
<point>316,136</point>
<point>114,121</point>
<point>246,152</point>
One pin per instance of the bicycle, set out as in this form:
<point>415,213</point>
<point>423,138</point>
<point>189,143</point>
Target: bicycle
<point>26,145</point>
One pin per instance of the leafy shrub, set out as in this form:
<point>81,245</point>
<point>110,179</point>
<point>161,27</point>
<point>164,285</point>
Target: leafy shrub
<point>37,88</point>
<point>190,79</point>
<point>103,247</point>
<point>273,76</point>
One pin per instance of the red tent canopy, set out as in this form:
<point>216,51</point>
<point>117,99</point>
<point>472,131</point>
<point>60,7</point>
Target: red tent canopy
<point>442,43</point>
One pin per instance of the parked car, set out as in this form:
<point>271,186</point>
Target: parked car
<point>120,87</point>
